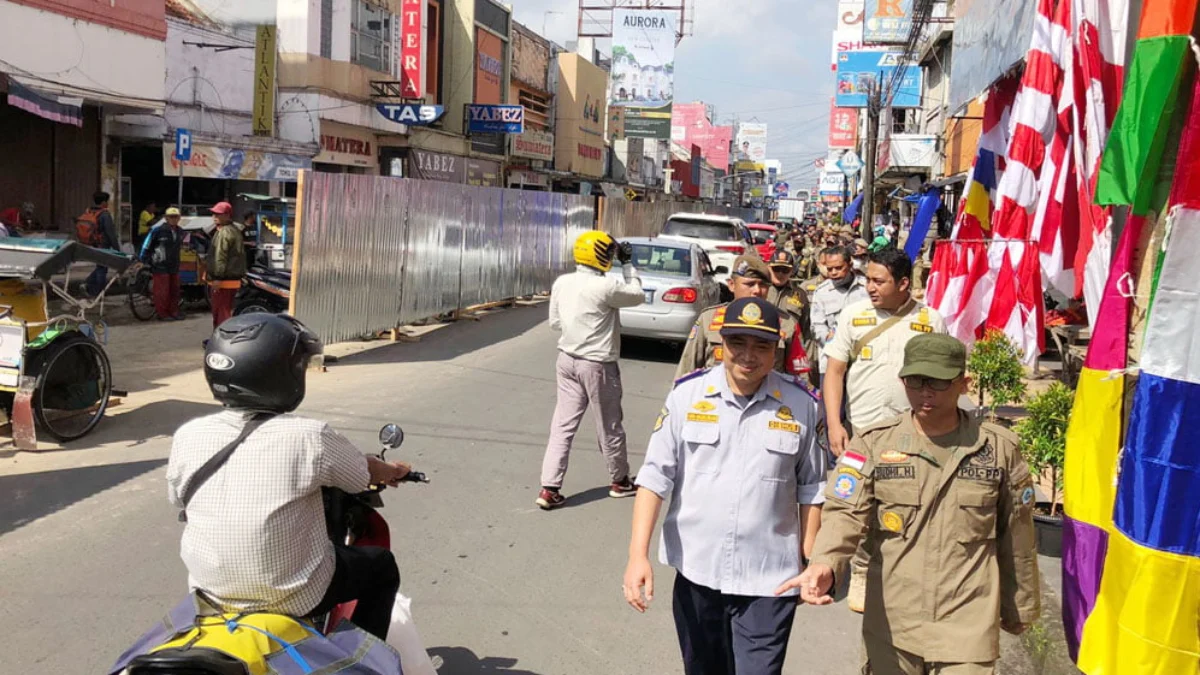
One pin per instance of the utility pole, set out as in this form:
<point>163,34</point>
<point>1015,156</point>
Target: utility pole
<point>868,204</point>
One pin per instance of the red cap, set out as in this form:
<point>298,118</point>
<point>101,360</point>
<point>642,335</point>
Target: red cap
<point>222,209</point>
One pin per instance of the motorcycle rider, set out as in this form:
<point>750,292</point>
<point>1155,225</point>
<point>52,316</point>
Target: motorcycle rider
<point>256,539</point>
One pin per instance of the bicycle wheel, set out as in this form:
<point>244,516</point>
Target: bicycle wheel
<point>140,294</point>
<point>74,383</point>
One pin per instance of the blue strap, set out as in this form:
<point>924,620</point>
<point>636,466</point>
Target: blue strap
<point>232,625</point>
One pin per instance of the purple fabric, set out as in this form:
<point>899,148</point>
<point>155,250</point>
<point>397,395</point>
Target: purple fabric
<point>1084,548</point>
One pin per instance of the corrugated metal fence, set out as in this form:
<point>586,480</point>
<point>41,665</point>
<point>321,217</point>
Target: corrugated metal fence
<point>375,252</point>
<point>645,219</point>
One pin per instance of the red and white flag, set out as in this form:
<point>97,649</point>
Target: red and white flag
<point>1098,43</point>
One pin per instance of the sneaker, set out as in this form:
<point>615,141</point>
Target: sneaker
<point>624,488</point>
<point>550,499</point>
<point>856,598</point>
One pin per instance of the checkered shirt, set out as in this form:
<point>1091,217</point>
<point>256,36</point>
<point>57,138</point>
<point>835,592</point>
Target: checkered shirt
<point>255,537</point>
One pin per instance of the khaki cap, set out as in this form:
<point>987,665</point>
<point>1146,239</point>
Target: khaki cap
<point>940,357</point>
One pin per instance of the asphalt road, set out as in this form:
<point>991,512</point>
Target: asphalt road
<point>89,545</point>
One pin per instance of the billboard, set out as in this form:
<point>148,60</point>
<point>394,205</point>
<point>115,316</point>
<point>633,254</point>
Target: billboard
<point>752,141</point>
<point>887,22</point>
<point>858,71</point>
<point>212,161</point>
<point>643,70</point>
<point>848,36</point>
<point>489,67</point>
<point>990,36</point>
<point>843,126</point>
<point>690,126</point>
<point>832,183</point>
<point>579,131</point>
<point>412,48</point>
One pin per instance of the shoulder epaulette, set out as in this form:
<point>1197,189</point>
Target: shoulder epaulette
<point>1001,433</point>
<point>717,306</point>
<point>884,424</point>
<point>800,382</point>
<point>691,376</point>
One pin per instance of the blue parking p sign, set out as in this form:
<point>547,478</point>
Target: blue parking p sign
<point>183,145</point>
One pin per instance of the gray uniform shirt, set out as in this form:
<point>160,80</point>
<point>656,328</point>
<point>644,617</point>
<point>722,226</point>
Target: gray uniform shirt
<point>734,473</point>
<point>828,301</point>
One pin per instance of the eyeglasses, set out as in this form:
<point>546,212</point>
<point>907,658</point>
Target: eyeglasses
<point>919,382</point>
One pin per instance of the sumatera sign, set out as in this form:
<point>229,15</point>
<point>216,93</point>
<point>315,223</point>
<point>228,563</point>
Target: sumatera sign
<point>264,81</point>
<point>412,48</point>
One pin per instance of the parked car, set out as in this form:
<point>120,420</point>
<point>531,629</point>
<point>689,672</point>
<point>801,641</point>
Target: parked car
<point>679,281</point>
<point>723,238</point>
<point>764,238</point>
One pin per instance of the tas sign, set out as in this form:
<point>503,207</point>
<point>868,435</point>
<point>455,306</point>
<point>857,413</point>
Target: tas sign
<point>495,119</point>
<point>412,114</point>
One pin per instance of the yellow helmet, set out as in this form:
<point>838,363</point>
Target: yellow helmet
<point>596,249</point>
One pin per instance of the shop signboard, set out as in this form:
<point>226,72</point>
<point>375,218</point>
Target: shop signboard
<point>264,81</point>
<point>211,161</point>
<point>412,48</point>
<point>518,178</point>
<point>848,36</point>
<point>859,72</point>
<point>489,67</point>
<point>690,126</point>
<point>643,70</point>
<point>426,165</point>
<point>347,146</point>
<point>831,183</point>
<point>533,144</point>
<point>843,126</point>
<point>412,114</point>
<point>579,132</point>
<point>483,173</point>
<point>495,119</point>
<point>887,22</point>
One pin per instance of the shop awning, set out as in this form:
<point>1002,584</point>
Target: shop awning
<point>66,94</point>
<point>46,105</point>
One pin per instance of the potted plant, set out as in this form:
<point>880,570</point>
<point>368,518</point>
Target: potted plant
<point>995,367</point>
<point>1043,437</point>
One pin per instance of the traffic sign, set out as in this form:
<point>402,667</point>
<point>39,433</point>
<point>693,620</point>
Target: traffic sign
<point>850,163</point>
<point>183,145</point>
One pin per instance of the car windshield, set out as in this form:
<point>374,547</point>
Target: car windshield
<point>700,229</point>
<point>667,260</point>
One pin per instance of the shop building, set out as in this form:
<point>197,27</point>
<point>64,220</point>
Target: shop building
<point>531,154</point>
<point>67,69</point>
<point>580,114</point>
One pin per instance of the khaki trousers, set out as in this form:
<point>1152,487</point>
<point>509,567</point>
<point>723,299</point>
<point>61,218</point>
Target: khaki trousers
<point>884,659</point>
<point>580,383</point>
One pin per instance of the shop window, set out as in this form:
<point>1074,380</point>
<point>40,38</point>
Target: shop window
<point>492,15</point>
<point>371,36</point>
<point>537,108</point>
<point>327,28</point>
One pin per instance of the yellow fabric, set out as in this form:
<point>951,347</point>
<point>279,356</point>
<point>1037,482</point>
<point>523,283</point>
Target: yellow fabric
<point>28,304</point>
<point>145,220</point>
<point>1093,444</point>
<point>245,644</point>
<point>1147,615</point>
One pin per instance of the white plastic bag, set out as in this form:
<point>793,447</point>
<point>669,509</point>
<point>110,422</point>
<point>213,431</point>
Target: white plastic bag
<point>404,638</point>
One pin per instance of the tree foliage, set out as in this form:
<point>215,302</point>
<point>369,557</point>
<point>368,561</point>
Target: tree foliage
<point>1044,435</point>
<point>995,366</point>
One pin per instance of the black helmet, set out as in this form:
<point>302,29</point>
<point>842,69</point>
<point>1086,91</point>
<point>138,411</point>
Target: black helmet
<point>258,361</point>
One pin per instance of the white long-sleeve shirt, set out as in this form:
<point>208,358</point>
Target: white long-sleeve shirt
<point>584,306</point>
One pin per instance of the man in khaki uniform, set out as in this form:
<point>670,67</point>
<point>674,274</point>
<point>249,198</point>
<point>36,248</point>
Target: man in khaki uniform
<point>750,278</point>
<point>864,358</point>
<point>794,304</point>
<point>947,502</point>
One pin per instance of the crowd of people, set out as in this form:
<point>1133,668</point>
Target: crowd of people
<point>784,473</point>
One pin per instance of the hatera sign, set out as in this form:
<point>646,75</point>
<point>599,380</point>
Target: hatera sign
<point>887,22</point>
<point>643,70</point>
<point>412,114</point>
<point>412,48</point>
<point>495,119</point>
<point>859,72</point>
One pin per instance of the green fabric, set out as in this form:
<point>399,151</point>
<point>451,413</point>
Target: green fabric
<point>46,337</point>
<point>227,257</point>
<point>1129,168</point>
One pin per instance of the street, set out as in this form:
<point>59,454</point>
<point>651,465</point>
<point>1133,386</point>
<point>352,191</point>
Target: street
<point>89,544</point>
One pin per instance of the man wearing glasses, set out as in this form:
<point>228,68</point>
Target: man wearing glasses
<point>948,502</point>
<point>864,359</point>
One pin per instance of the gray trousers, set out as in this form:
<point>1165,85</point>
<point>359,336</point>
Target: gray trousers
<point>580,383</point>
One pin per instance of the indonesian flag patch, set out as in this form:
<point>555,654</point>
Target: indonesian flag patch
<point>853,460</point>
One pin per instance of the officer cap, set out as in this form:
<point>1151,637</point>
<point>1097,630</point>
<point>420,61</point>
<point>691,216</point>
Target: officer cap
<point>782,258</point>
<point>941,357</point>
<point>751,316</point>
<point>751,266</point>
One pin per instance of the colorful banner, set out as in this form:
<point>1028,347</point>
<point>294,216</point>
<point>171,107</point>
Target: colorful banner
<point>690,126</point>
<point>412,48</point>
<point>752,141</point>
<point>843,126</point>
<point>643,70</point>
<point>887,22</point>
<point>848,36</point>
<point>210,161</point>
<point>857,72</point>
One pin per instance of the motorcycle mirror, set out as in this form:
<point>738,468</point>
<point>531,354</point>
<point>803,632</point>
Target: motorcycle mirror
<point>391,435</point>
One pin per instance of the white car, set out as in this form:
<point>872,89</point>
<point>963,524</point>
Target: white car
<point>677,279</point>
<point>723,238</point>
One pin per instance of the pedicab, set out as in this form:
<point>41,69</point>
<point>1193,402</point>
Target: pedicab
<point>54,373</point>
<point>193,289</point>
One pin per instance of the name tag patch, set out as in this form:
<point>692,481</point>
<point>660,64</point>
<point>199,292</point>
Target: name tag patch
<point>866,353</point>
<point>904,472</point>
<point>920,327</point>
<point>703,406</point>
<point>981,473</point>
<point>863,321</point>
<point>697,417</point>
<point>793,427</point>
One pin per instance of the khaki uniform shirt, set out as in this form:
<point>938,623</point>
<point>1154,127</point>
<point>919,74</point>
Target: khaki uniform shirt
<point>952,544</point>
<point>704,344</point>
<point>873,388</point>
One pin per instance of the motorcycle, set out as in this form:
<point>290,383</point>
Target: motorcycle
<point>352,519</point>
<point>263,290</point>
